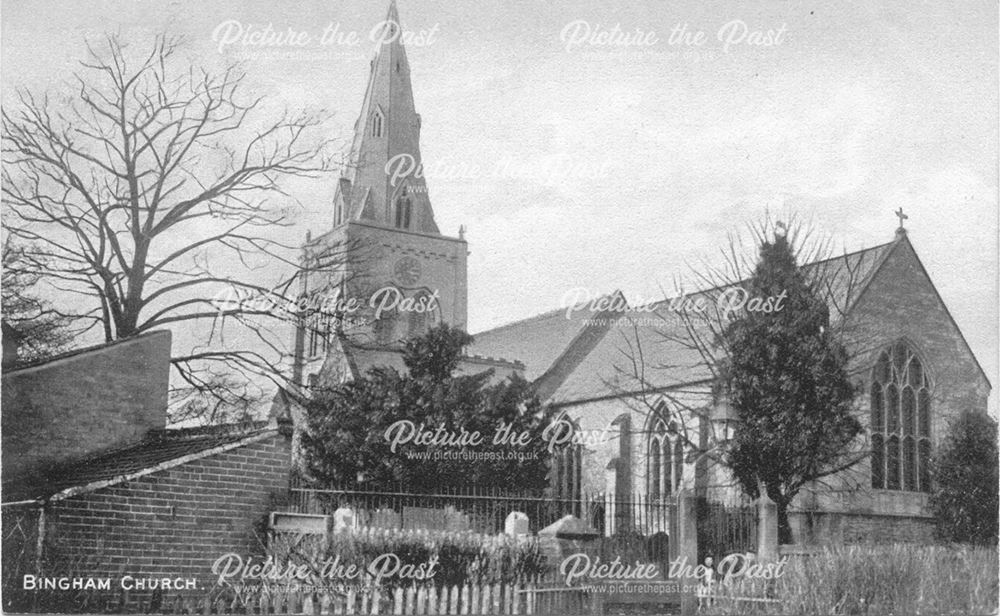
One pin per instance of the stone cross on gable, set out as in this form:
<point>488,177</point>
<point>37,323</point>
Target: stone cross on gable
<point>902,217</point>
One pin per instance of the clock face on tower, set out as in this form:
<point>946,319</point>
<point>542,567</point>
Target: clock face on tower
<point>407,271</point>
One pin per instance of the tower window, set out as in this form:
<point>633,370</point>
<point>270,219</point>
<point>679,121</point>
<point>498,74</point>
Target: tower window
<point>404,211</point>
<point>420,322</point>
<point>900,421</point>
<point>377,123</point>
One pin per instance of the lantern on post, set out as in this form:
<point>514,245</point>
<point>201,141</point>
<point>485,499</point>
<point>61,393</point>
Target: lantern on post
<point>724,418</point>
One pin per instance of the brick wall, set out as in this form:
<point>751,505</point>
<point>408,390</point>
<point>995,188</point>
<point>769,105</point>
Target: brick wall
<point>84,402</point>
<point>175,522</point>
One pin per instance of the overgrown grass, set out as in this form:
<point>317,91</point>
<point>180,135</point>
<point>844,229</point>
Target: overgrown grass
<point>883,580</point>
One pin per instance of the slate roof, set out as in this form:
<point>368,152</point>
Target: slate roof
<point>605,369</point>
<point>537,342</point>
<point>159,449</point>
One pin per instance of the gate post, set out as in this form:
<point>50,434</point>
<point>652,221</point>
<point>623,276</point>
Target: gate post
<point>688,548</point>
<point>767,529</point>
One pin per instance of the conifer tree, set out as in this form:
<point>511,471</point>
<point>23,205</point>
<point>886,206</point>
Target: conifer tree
<point>787,379</point>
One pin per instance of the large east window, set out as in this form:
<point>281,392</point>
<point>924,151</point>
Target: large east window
<point>900,421</point>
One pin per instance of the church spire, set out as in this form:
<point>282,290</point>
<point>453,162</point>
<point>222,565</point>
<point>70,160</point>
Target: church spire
<point>384,184</point>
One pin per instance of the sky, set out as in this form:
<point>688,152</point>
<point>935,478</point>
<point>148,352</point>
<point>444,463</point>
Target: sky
<point>610,145</point>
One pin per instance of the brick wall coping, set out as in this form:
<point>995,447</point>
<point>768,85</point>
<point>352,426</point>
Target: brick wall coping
<point>158,452</point>
<point>75,353</point>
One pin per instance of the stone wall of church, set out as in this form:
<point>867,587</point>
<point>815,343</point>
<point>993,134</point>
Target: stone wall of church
<point>396,266</point>
<point>823,528</point>
<point>902,304</point>
<point>604,469</point>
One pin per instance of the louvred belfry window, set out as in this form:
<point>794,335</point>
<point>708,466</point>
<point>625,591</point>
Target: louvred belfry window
<point>404,210</point>
<point>900,404</point>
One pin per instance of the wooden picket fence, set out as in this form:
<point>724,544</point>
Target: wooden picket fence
<point>503,599</point>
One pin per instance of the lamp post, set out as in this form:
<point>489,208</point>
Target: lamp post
<point>723,419</point>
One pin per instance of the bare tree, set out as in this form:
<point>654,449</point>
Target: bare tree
<point>41,329</point>
<point>150,186</point>
<point>673,358</point>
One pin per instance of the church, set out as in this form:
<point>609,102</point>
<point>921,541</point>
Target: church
<point>908,357</point>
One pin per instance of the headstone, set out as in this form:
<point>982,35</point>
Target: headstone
<point>570,527</point>
<point>344,520</point>
<point>568,535</point>
<point>302,523</point>
<point>516,524</point>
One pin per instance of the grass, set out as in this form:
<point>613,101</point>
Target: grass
<point>883,580</point>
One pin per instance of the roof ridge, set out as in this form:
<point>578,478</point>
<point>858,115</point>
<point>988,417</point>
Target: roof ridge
<point>399,349</point>
<point>634,308</point>
<point>548,313</point>
<point>718,287</point>
<point>227,429</point>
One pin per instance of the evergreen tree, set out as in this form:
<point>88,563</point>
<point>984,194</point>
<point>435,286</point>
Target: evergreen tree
<point>964,497</point>
<point>787,380</point>
<point>346,445</point>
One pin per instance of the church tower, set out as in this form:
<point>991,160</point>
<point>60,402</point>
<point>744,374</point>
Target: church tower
<point>384,271</point>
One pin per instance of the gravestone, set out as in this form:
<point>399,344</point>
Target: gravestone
<point>566,536</point>
<point>516,524</point>
<point>344,520</point>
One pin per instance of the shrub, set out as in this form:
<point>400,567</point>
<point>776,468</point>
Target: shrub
<point>964,500</point>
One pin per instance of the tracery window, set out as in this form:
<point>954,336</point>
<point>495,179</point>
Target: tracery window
<point>665,459</point>
<point>900,421</point>
<point>567,467</point>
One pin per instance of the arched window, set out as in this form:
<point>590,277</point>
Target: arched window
<point>425,314</point>
<point>659,462</point>
<point>678,464</point>
<point>378,122</point>
<point>665,457</point>
<point>385,327</point>
<point>404,210</point>
<point>567,463</point>
<point>900,421</point>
